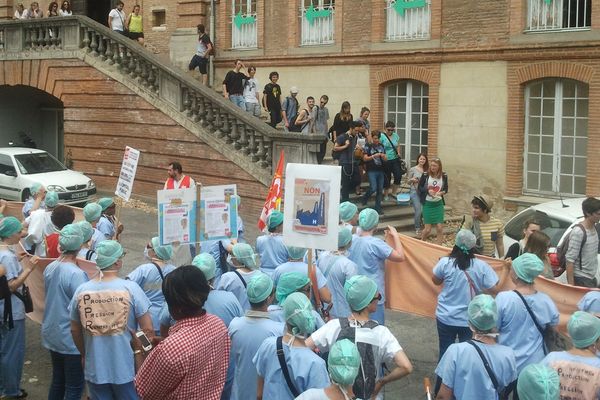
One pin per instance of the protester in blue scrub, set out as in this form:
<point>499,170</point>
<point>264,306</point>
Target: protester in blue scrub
<point>343,364</point>
<point>247,334</point>
<point>215,248</point>
<point>338,269</point>
<point>92,213</point>
<point>240,222</point>
<point>104,311</point>
<point>246,267</point>
<point>370,253</point>
<point>296,263</point>
<point>464,276</point>
<point>377,345</point>
<point>87,232</point>
<point>579,367</point>
<point>590,302</point>
<point>107,221</point>
<point>61,279</point>
<point>462,367</point>
<point>289,283</point>
<point>12,340</point>
<point>515,324</point>
<point>150,276</point>
<point>348,216</point>
<point>270,246</point>
<point>309,370</point>
<point>538,382</point>
<point>36,200</point>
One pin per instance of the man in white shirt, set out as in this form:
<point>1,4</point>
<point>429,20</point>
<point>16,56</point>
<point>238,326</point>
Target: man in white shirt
<point>116,19</point>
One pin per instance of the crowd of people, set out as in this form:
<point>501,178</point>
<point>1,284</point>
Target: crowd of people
<point>34,11</point>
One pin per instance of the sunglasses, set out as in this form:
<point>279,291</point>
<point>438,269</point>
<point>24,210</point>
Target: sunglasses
<point>378,297</point>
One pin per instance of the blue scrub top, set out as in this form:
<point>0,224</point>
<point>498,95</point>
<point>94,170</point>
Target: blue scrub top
<point>369,254</point>
<point>231,282</point>
<point>276,314</point>
<point>212,247</point>
<point>97,237</point>
<point>517,329</point>
<point>272,252</point>
<point>105,226</point>
<point>590,302</point>
<point>61,280</point>
<point>300,267</point>
<point>456,292</point>
<point>462,370</point>
<point>247,334</point>
<point>337,269</point>
<point>13,269</point>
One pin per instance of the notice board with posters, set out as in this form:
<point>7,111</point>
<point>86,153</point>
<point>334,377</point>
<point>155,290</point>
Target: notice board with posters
<point>218,212</point>
<point>176,216</point>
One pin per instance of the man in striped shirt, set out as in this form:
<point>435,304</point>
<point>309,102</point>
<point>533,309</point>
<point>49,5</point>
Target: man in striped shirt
<point>490,235</point>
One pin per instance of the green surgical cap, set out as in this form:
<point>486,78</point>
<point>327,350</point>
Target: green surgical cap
<point>70,237</point>
<point>9,226</point>
<point>527,267</point>
<point>465,240</point>
<point>207,265</point>
<point>299,314</point>
<point>106,202</point>
<point>164,252</point>
<point>360,290</point>
<point>35,188</point>
<point>108,253</point>
<point>482,312</point>
<point>296,253</point>
<point>92,212</point>
<point>51,199</point>
<point>538,382</point>
<point>275,219</point>
<point>289,283</point>
<point>259,288</point>
<point>344,237</point>
<point>584,329</point>
<point>347,211</point>
<point>343,362</point>
<point>244,254</point>
<point>368,219</point>
<point>86,230</point>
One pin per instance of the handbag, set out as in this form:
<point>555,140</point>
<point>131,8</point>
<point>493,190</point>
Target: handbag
<point>403,166</point>
<point>25,297</point>
<point>359,153</point>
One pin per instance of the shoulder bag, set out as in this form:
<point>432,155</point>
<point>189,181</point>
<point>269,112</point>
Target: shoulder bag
<point>284,368</point>
<point>162,276</point>
<point>502,394</point>
<point>241,278</point>
<point>403,166</point>
<point>25,297</point>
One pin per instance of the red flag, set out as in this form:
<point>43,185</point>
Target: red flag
<point>273,201</point>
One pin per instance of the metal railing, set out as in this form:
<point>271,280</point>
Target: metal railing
<point>411,22</point>
<point>317,25</point>
<point>244,35</point>
<point>558,15</point>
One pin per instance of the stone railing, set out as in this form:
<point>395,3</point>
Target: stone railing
<point>244,139</point>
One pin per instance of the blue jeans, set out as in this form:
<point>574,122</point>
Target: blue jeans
<point>109,391</point>
<point>12,357</point>
<point>376,179</point>
<point>238,100</point>
<point>416,203</point>
<point>67,377</point>
<point>447,335</point>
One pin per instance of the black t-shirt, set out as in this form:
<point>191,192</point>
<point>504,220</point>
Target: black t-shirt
<point>375,164</point>
<point>347,155</point>
<point>234,82</point>
<point>273,93</point>
<point>340,125</point>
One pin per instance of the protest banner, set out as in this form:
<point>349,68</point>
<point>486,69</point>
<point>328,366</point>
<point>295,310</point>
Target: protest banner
<point>176,216</point>
<point>311,206</point>
<point>127,174</point>
<point>218,212</point>
<point>15,209</point>
<point>273,200</point>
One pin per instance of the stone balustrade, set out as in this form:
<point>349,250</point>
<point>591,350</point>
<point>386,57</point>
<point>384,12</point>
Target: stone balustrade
<point>244,139</point>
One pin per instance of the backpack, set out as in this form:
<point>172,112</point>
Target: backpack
<point>211,51</point>
<point>301,127</point>
<point>365,381</point>
<point>563,247</point>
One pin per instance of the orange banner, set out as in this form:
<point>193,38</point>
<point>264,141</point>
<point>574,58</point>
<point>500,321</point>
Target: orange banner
<point>15,209</point>
<point>409,287</point>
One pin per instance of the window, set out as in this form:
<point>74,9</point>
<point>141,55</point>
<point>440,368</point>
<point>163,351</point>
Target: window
<point>556,130</point>
<point>407,105</point>
<point>159,18</point>
<point>316,22</point>
<point>407,19</point>
<point>547,15</point>
<point>243,24</point>
<point>6,165</point>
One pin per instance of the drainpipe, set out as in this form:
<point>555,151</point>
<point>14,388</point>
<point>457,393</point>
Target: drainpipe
<point>211,65</point>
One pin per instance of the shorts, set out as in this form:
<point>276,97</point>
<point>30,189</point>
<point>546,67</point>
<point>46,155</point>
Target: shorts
<point>199,62</point>
<point>135,35</point>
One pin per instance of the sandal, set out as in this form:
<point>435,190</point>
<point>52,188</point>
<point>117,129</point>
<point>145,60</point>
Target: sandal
<point>22,395</point>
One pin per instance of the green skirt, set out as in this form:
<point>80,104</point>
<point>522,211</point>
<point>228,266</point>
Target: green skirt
<point>433,212</point>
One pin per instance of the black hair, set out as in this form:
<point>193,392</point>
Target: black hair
<point>531,222</point>
<point>355,124</point>
<point>590,206</point>
<point>185,290</point>
<point>62,216</point>
<point>251,68</point>
<point>325,97</point>
<point>310,98</point>
<point>390,124</point>
<point>176,166</point>
<point>462,260</point>
<point>200,28</point>
<point>120,3</point>
<point>272,74</point>
<point>376,134</point>
<point>477,202</point>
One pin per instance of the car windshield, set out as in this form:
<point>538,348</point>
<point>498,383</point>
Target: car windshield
<point>551,226</point>
<point>37,163</point>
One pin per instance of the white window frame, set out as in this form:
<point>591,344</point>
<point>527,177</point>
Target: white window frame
<point>549,15</point>
<point>410,116</point>
<point>557,153</point>
<point>322,30</point>
<point>415,24</point>
<point>245,37</point>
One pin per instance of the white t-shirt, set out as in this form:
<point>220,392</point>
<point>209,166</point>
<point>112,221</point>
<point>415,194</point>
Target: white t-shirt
<point>434,184</point>
<point>65,13</point>
<point>117,18</point>
<point>313,394</point>
<point>250,90</point>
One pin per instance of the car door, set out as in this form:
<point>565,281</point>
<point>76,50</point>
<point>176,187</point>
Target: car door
<point>8,179</point>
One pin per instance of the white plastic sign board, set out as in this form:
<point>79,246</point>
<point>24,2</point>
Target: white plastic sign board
<point>218,212</point>
<point>127,174</point>
<point>176,216</point>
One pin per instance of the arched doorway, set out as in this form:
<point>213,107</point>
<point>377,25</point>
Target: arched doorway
<point>30,117</point>
<point>95,9</point>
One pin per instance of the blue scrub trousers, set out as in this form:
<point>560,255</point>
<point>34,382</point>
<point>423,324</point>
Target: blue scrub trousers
<point>12,357</point>
<point>109,391</point>
<point>379,314</point>
<point>67,377</point>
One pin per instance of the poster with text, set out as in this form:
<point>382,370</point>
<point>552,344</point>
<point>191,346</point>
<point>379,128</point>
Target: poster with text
<point>177,216</point>
<point>311,206</point>
<point>218,213</point>
<point>127,174</point>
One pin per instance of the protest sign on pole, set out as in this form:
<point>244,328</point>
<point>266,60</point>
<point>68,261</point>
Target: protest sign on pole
<point>127,175</point>
<point>311,206</point>
<point>218,213</point>
<point>176,216</point>
<point>273,201</point>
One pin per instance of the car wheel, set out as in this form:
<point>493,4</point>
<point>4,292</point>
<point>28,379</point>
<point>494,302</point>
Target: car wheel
<point>24,195</point>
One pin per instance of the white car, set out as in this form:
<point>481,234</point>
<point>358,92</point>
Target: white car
<point>556,218</point>
<point>22,167</point>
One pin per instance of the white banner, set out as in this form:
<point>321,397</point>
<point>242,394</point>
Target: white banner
<point>127,175</point>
